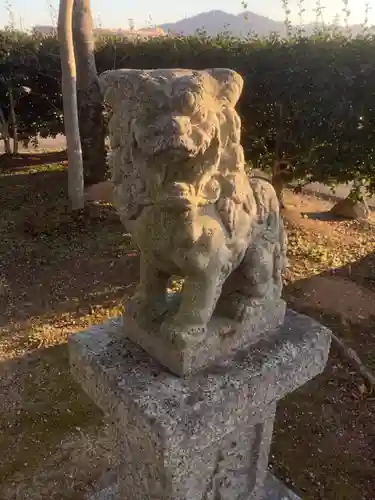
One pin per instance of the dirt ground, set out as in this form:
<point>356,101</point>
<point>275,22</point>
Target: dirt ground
<point>58,275</point>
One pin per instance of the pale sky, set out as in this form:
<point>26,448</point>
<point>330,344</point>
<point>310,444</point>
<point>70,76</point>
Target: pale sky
<point>116,13</point>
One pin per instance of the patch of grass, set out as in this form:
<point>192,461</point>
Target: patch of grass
<point>322,445</point>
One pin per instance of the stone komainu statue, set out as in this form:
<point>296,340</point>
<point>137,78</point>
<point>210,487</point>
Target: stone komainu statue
<point>181,190</point>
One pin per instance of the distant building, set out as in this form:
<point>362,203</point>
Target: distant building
<point>44,30</point>
<point>140,33</point>
<point>132,33</point>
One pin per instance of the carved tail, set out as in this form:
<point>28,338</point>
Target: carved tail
<point>268,209</point>
<point>280,255</point>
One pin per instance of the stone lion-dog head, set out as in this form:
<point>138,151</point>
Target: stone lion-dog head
<point>172,133</point>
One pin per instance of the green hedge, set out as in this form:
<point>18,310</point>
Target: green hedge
<point>307,101</point>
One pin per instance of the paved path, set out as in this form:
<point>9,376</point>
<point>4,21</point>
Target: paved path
<point>48,144</point>
<point>341,191</point>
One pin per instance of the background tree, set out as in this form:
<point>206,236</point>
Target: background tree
<point>14,56</point>
<point>307,107</point>
<point>90,100</point>
<point>69,91</point>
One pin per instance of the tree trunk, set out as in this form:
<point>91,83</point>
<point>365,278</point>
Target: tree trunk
<point>7,147</point>
<point>13,121</point>
<point>5,133</point>
<point>69,90</point>
<point>90,99</point>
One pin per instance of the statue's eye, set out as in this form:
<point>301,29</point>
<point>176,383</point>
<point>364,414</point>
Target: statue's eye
<point>185,102</point>
<point>190,102</point>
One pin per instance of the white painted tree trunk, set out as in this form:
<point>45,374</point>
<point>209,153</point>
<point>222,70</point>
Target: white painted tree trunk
<point>4,129</point>
<point>69,90</point>
<point>13,119</point>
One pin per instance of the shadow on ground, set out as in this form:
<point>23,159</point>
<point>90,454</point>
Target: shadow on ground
<point>60,273</point>
<point>324,216</point>
<point>54,442</point>
<point>324,440</point>
<point>53,261</point>
<point>344,300</point>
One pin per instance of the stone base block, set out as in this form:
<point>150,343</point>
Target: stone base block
<point>183,354</point>
<point>273,490</point>
<point>109,493</point>
<point>201,437</point>
<point>276,490</point>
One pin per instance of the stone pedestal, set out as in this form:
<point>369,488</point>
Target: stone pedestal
<point>273,490</point>
<point>184,355</point>
<point>205,436</point>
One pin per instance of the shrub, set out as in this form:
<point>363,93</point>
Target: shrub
<point>308,103</point>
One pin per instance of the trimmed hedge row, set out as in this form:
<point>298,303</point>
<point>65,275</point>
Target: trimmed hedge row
<point>307,102</point>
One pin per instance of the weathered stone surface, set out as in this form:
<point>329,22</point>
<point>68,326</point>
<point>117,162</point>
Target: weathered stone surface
<point>232,467</point>
<point>273,490</point>
<point>181,188</point>
<point>351,209</point>
<point>200,437</point>
<point>183,354</point>
<point>109,493</point>
<point>276,490</point>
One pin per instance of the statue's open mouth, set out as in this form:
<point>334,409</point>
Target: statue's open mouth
<point>182,163</point>
<point>184,193</point>
<point>178,147</point>
<point>186,147</point>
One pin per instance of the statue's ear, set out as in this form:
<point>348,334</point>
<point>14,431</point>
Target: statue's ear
<point>229,85</point>
<point>116,85</point>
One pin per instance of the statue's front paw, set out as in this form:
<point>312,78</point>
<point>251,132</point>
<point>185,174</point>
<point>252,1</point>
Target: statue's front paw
<point>183,335</point>
<point>143,310</point>
<point>134,306</point>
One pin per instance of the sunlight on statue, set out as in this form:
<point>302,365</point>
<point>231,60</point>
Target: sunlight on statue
<point>181,189</point>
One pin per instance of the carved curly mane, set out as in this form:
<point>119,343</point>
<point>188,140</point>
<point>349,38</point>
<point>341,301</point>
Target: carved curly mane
<point>202,106</point>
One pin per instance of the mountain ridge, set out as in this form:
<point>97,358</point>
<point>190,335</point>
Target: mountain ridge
<point>215,22</point>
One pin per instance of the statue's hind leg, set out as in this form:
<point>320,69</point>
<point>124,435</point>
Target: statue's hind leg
<point>258,279</point>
